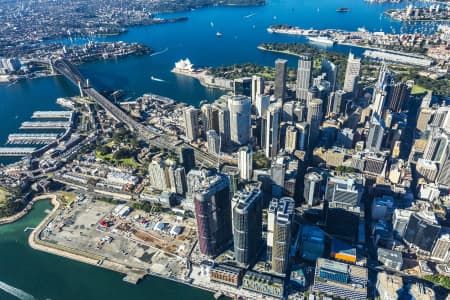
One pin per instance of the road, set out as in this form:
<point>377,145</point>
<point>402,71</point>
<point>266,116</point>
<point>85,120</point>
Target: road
<point>69,71</point>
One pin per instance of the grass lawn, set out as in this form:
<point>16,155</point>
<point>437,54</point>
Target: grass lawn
<point>129,161</point>
<point>417,89</point>
<point>67,197</point>
<point>3,195</point>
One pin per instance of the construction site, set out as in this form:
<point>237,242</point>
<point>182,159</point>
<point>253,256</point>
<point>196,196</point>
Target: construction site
<point>158,243</point>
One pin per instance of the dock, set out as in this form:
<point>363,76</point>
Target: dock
<point>16,151</point>
<point>62,114</point>
<point>30,138</point>
<point>45,125</point>
<point>133,278</point>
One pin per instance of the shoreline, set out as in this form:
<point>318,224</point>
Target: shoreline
<point>16,217</point>
<point>200,76</point>
<point>132,274</point>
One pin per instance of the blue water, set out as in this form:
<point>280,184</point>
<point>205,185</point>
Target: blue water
<point>197,40</point>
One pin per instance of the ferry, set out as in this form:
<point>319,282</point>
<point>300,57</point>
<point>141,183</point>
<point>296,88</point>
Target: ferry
<point>219,34</point>
<point>343,10</point>
<point>156,79</point>
<point>321,40</point>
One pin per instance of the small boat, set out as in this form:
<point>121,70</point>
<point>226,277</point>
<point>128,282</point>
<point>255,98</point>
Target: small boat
<point>212,24</point>
<point>219,34</point>
<point>250,15</point>
<point>343,10</point>
<point>156,79</point>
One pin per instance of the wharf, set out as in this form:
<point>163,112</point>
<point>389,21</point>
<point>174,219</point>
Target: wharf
<point>16,151</point>
<point>29,138</point>
<point>45,125</point>
<point>63,114</point>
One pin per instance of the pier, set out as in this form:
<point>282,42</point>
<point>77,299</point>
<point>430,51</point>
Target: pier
<point>30,139</point>
<point>63,114</point>
<point>45,125</point>
<point>12,151</point>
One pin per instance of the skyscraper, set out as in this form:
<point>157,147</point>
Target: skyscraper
<point>422,230</point>
<point>279,226</point>
<point>272,130</point>
<point>280,78</point>
<point>378,102</point>
<point>337,102</point>
<point>243,86</point>
<point>261,104</point>
<point>212,201</point>
<point>187,158</point>
<point>304,72</point>
<point>240,119</point>
<point>352,73</point>
<point>444,170</point>
<point>314,119</point>
<point>257,87</point>
<point>191,123</point>
<point>376,135</point>
<point>331,71</point>
<point>400,92</point>
<point>245,161</point>
<point>312,191</point>
<point>278,172</point>
<point>247,225</point>
<point>290,143</point>
<point>213,140</point>
<point>303,133</point>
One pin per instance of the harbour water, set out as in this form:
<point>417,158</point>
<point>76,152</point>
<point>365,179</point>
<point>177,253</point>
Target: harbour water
<point>48,277</point>
<point>27,274</point>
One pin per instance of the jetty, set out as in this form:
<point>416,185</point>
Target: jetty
<point>45,125</point>
<point>16,151</point>
<point>32,138</point>
<point>62,114</point>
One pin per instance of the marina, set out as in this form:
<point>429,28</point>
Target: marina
<point>45,125</point>
<point>32,139</point>
<point>16,151</point>
<point>63,114</point>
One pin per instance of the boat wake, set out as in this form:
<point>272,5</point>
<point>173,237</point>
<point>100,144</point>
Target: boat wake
<point>160,52</point>
<point>18,293</point>
<point>156,79</point>
<point>249,16</point>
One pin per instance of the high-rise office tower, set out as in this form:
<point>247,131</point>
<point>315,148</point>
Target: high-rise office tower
<point>272,130</point>
<point>304,72</point>
<point>245,161</point>
<point>314,119</point>
<point>187,158</point>
<point>280,78</point>
<point>224,125</point>
<point>376,135</point>
<point>313,92</point>
<point>331,71</point>
<point>279,228</point>
<point>180,181</point>
<point>290,142</point>
<point>243,86</point>
<point>312,191</point>
<point>157,174</point>
<point>288,112</point>
<point>437,145</point>
<point>257,87</point>
<point>441,117</point>
<point>444,170</point>
<point>213,140</point>
<point>210,117</point>
<point>261,104</point>
<point>240,119</point>
<point>277,173</point>
<point>191,123</point>
<point>303,133</point>
<point>422,230</point>
<point>247,225</point>
<point>400,92</point>
<point>337,102</point>
<point>378,102</point>
<point>212,201</point>
<point>352,73</point>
